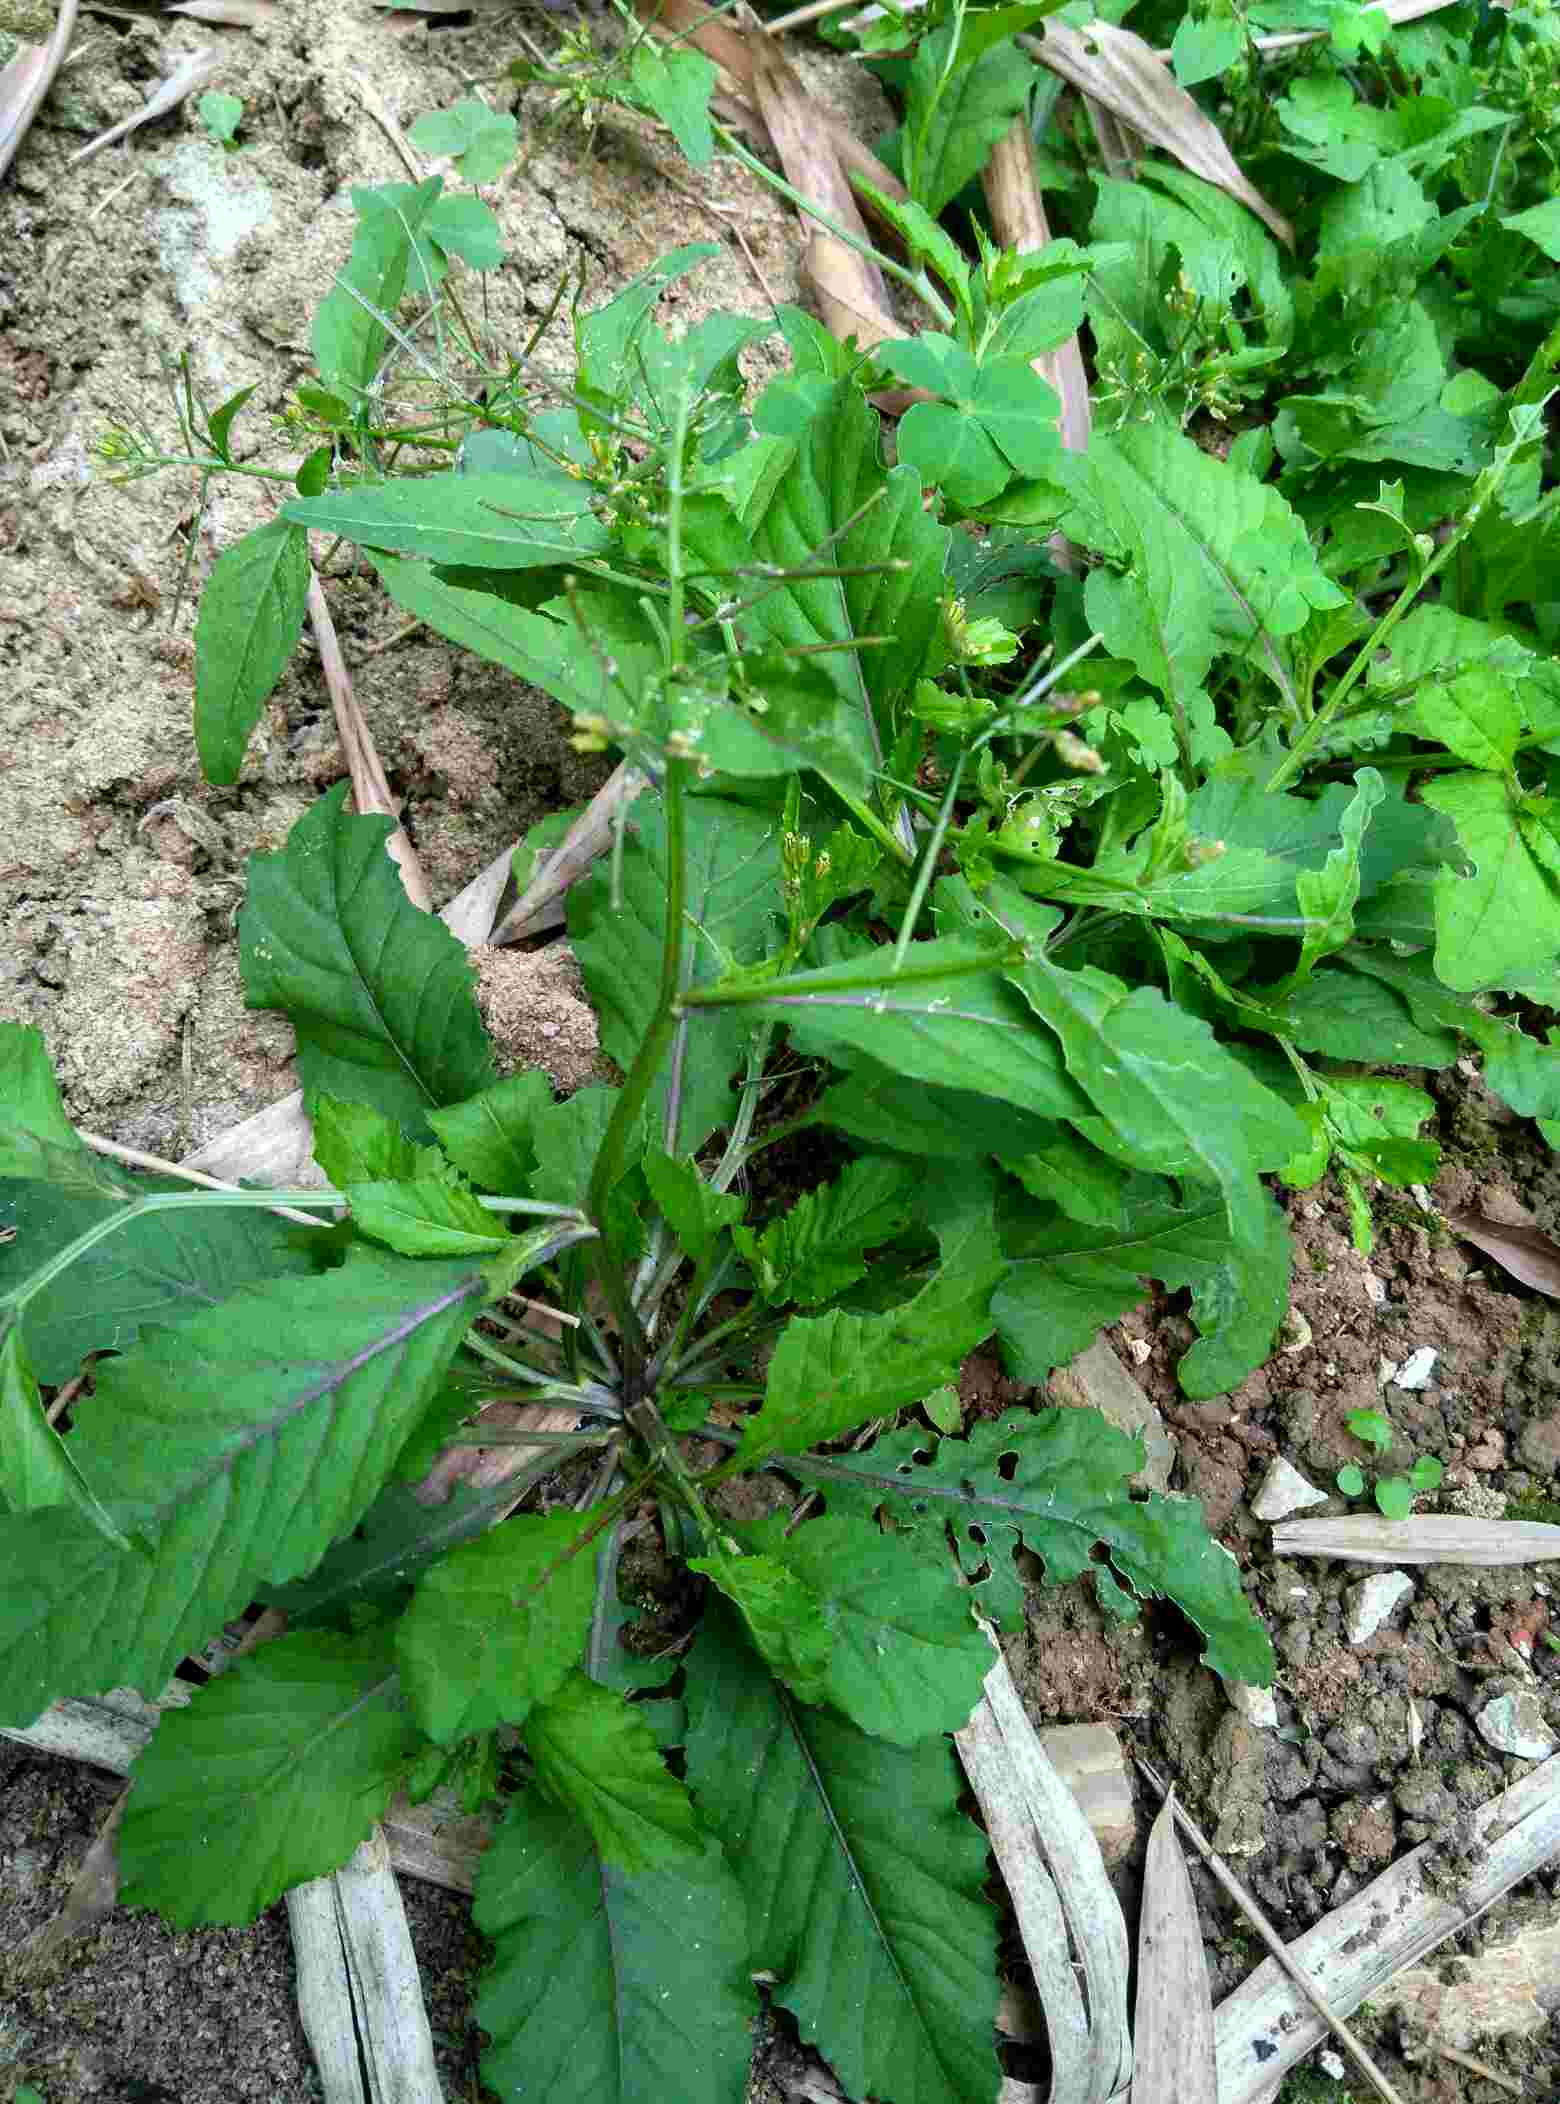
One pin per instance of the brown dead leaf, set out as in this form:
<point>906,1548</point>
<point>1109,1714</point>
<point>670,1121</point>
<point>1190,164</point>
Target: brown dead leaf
<point>1172,2041</point>
<point>1120,71</point>
<point>1526,1252</point>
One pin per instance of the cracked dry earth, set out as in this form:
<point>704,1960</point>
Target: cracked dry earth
<point>120,872</point>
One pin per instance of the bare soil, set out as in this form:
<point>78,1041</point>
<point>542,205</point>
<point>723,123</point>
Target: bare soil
<point>120,873</point>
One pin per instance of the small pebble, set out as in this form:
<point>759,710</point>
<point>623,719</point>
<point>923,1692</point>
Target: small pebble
<point>1284,1490</point>
<point>1416,1370</point>
<point>1516,1724</point>
<point>1373,1600</point>
<point>1256,1705</point>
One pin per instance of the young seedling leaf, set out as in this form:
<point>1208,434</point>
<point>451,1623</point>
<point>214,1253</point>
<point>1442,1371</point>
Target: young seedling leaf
<point>480,140</point>
<point>272,1775</point>
<point>251,616</point>
<point>498,1625</point>
<point>594,1754</point>
<point>233,1449</point>
<point>605,1986</point>
<point>871,1916</point>
<point>488,1137</point>
<point>381,995</point>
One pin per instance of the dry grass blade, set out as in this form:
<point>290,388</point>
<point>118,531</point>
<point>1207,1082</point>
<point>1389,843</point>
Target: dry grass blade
<point>852,297</point>
<point>1432,1537</point>
<point>1526,1252</point>
<point>1264,2028</point>
<point>541,904</point>
<point>192,74</point>
<point>229,14</point>
<point>1264,1928</point>
<point>1120,71</point>
<point>27,78</point>
<point>1172,2038</point>
<point>370,789</point>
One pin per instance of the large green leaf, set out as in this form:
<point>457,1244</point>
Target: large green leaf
<point>1057,1480</point>
<point>498,1625</point>
<point>251,616</point>
<point>733,893</point>
<point>906,1661</point>
<point>391,1545</point>
<point>487,522</point>
<point>381,995</point>
<point>36,1137</point>
<point>862,1877</point>
<point>1501,921</point>
<point>157,1268</point>
<point>36,1468</point>
<point>350,337</point>
<point>963,92</point>
<point>817,1249</point>
<point>606,1987</point>
<point>884,1109</point>
<point>1071,1280</point>
<point>488,1137</point>
<point>232,1449</point>
<point>1329,895</point>
<point>1522,1070</point>
<point>594,1753</point>
<point>832,1372</point>
<point>272,1775</point>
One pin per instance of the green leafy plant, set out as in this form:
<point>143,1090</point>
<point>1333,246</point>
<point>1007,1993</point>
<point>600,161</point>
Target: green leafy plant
<point>1394,1495</point>
<point>221,115</point>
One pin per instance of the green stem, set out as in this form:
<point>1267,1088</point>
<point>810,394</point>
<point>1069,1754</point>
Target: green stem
<point>802,984</point>
<point>928,869</point>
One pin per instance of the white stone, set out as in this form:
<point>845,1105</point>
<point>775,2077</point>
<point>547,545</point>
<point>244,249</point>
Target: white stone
<point>1516,1724</point>
<point>1331,2065</point>
<point>1415,1370</point>
<point>1257,1705</point>
<point>1284,1490</point>
<point>1373,1600</point>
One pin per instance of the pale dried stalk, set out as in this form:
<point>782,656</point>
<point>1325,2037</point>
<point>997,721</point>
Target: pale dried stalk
<point>485,1468</point>
<point>192,74</point>
<point>26,80</point>
<point>370,789</point>
<point>1432,1537</point>
<point>1265,1930</point>
<point>134,1158</point>
<point>1172,2037</point>
<point>541,904</point>
<point>1018,221</point>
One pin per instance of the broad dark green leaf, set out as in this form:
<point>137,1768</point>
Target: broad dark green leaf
<point>1501,921</point>
<point>159,1268</point>
<point>36,1469</point>
<point>884,1109</point>
<point>233,1449</point>
<point>862,1877</point>
<point>499,1624</point>
<point>783,1617</point>
<point>594,1754</point>
<point>733,895</point>
<point>489,522</point>
<point>381,995</point>
<point>817,1249</point>
<point>1057,1480</point>
<point>962,95</point>
<point>356,1145</point>
<point>251,616</point>
<point>1345,1016</point>
<point>36,1137</point>
<point>272,1775</point>
<point>606,1987</point>
<point>1522,1070</point>
<point>394,1541</point>
<point>1070,1280</point>
<point>488,1137</point>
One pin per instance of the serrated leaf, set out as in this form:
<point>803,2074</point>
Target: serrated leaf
<point>1502,920</point>
<point>233,1449</point>
<point>272,1775</point>
<point>488,1137</point>
<point>817,1249</point>
<point>906,1660</point>
<point>163,1268</point>
<point>1071,1280</point>
<point>381,995</point>
<point>430,1215</point>
<point>830,1373</point>
<point>251,616</point>
<point>1344,1016</point>
<point>606,1988</point>
<point>1521,1070</point>
<point>355,1145</point>
<point>1477,717</point>
<point>694,1210</point>
<point>782,1615</point>
<point>481,140</point>
<point>499,1624</point>
<point>594,1754</point>
<point>36,1469</point>
<point>732,894</point>
<point>960,99</point>
<point>871,1914</point>
<point>393,1542</point>
<point>488,522</point>
<point>1058,1481</point>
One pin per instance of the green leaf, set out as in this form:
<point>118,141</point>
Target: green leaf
<point>489,522</point>
<point>466,227</point>
<point>1070,1280</point>
<point>733,892</point>
<point>481,140</point>
<point>606,1988</point>
<point>594,1754</point>
<point>1001,422</point>
<point>883,1109</point>
<point>1394,1497</point>
<point>1350,1480</point>
<point>1329,895</point>
<point>36,1137</point>
<point>871,1914</point>
<point>499,1624</point>
<point>832,1372</point>
<point>162,1268</point>
<point>1344,1016</point>
<point>907,1660</point>
<point>380,994</point>
<point>488,1137</point>
<point>36,1468</point>
<point>1541,225</point>
<point>1521,1070</point>
<point>349,339</point>
<point>234,1449</point>
<point>1370,1426</point>
<point>610,343</point>
<point>271,1775</point>
<point>1203,49</point>
<point>960,99</point>
<point>1477,718</point>
<point>1057,1480</point>
<point>782,1615</point>
<point>694,1210</point>
<point>432,1215</point>
<point>675,85</point>
<point>1502,920</point>
<point>356,1145</point>
<point>817,1249</point>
